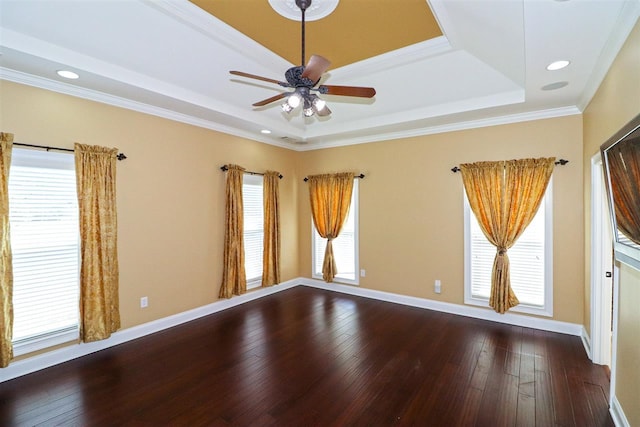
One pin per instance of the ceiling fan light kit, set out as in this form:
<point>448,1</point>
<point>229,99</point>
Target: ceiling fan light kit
<point>304,79</point>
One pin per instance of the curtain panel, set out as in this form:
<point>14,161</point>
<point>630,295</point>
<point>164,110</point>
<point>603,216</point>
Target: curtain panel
<point>271,251</point>
<point>505,196</point>
<point>624,167</point>
<point>6,263</point>
<point>234,280</point>
<point>330,197</point>
<point>99,274</point>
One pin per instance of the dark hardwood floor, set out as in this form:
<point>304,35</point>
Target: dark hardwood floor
<point>307,357</point>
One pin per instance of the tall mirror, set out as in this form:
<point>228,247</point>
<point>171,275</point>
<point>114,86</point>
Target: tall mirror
<point>621,157</point>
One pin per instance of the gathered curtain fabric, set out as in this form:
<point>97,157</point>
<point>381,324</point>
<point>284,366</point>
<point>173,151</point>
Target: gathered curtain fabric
<point>505,196</point>
<point>99,273</point>
<point>624,168</point>
<point>6,263</point>
<point>234,279</point>
<point>330,197</point>
<point>271,243</point>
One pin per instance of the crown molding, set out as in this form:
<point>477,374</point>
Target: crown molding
<point>218,30</point>
<point>116,101</point>
<point>452,127</point>
<point>92,95</point>
<point>406,55</point>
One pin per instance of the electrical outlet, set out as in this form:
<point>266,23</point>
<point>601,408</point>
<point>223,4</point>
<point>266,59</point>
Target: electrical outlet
<point>437,287</point>
<point>363,273</point>
<point>144,302</point>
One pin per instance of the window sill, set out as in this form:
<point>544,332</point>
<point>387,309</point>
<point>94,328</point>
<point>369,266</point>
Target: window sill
<point>254,284</point>
<point>339,280</point>
<point>520,308</point>
<point>27,346</point>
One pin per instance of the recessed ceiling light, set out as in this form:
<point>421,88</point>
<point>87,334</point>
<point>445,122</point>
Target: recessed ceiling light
<point>557,65</point>
<point>265,131</point>
<point>554,86</point>
<point>67,74</point>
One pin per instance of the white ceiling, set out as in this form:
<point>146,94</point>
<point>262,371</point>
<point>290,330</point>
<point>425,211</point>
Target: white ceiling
<point>169,58</point>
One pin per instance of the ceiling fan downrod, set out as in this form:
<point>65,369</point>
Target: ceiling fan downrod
<point>303,5</point>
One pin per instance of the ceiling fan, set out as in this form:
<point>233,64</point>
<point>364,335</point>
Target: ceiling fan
<point>304,82</point>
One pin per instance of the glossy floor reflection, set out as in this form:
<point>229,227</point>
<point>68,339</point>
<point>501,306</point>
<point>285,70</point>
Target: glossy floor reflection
<point>308,357</point>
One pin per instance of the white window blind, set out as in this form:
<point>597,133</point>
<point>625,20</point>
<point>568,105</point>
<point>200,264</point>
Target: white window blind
<point>530,262</point>
<point>45,244</point>
<point>345,246</point>
<point>252,196</point>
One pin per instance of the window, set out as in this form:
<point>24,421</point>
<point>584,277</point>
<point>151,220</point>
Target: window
<point>530,260</point>
<point>253,229</point>
<point>345,246</point>
<point>45,238</point>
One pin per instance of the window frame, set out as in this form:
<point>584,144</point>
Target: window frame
<point>547,309</point>
<point>355,209</point>
<point>257,180</point>
<point>47,160</point>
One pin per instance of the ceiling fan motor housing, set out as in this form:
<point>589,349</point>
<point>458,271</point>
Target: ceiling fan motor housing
<point>303,4</point>
<point>295,79</point>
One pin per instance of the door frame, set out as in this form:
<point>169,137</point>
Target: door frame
<point>601,263</point>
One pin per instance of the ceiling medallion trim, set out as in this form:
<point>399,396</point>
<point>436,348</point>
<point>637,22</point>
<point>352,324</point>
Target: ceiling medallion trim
<point>317,10</point>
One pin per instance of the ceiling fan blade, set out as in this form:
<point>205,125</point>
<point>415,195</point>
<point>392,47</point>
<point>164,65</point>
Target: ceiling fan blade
<point>363,92</point>
<point>264,79</point>
<point>270,100</point>
<point>315,68</point>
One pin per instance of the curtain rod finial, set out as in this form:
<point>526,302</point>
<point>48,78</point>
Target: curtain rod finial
<point>121,156</point>
<point>455,169</point>
<point>562,162</point>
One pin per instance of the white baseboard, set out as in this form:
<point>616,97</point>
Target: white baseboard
<point>45,360</point>
<point>619,418</point>
<point>445,307</point>
<point>586,342</point>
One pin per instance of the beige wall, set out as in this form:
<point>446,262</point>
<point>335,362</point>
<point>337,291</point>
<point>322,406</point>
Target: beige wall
<point>411,206</point>
<point>170,193</point>
<point>616,102</point>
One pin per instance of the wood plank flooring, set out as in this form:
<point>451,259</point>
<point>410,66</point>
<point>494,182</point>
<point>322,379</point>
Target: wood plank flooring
<point>308,357</point>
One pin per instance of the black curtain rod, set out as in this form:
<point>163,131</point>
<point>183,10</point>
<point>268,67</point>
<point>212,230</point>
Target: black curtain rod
<point>560,162</point>
<point>225,168</point>
<point>120,156</point>
<point>361,176</point>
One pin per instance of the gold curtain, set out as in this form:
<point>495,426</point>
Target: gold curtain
<point>6,264</point>
<point>99,275</point>
<point>504,196</point>
<point>330,196</point>
<point>271,252</point>
<point>624,167</point>
<point>234,280</point>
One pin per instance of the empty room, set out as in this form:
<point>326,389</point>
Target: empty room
<point>320,213</point>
